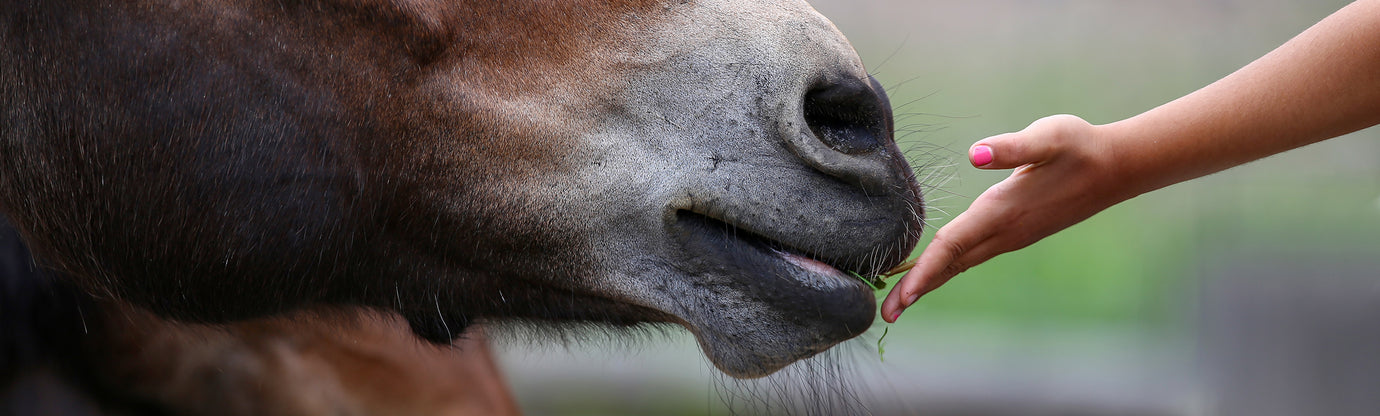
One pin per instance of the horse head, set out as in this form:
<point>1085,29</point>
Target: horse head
<point>720,165</point>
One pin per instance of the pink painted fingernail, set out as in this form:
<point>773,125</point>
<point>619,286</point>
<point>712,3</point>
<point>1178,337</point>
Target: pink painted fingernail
<point>896,315</point>
<point>981,155</point>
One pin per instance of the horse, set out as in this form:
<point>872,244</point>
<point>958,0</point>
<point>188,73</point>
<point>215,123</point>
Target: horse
<point>67,354</point>
<point>353,165</point>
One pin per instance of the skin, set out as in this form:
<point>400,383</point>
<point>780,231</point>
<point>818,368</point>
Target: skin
<point>1321,84</point>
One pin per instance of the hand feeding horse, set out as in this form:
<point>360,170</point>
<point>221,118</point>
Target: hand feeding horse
<point>229,166</point>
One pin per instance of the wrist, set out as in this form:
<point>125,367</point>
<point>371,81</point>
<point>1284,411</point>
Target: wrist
<point>1128,162</point>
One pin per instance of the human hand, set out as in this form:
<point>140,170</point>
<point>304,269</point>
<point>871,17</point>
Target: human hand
<point>1065,171</point>
<point>1317,86</point>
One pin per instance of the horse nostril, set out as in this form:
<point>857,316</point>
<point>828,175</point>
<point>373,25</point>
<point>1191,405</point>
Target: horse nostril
<point>850,116</point>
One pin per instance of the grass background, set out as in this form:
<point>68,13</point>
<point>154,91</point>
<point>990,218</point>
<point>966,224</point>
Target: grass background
<point>1101,318</point>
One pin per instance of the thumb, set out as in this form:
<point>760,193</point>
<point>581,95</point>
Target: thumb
<point>1035,144</point>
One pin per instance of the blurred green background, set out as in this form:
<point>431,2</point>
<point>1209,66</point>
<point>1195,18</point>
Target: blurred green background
<point>1118,315</point>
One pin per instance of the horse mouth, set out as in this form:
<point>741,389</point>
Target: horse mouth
<point>812,270</point>
<point>800,304</point>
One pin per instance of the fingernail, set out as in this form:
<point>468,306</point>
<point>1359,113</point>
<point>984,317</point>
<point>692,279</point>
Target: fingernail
<point>981,155</point>
<point>896,315</point>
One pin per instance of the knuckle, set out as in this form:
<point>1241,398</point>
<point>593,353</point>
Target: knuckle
<point>1073,127</point>
<point>1062,128</point>
<point>1053,136</point>
<point>948,243</point>
<point>953,269</point>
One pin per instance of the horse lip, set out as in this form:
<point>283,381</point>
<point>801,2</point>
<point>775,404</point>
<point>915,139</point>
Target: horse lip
<point>814,265</point>
<point>824,306</point>
<point>809,264</point>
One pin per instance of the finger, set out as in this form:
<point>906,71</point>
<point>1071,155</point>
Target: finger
<point>1037,143</point>
<point>963,242</point>
<point>968,229</point>
<point>926,280</point>
<point>932,262</point>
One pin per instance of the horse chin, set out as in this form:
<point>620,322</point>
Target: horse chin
<point>768,341</point>
<point>756,306</point>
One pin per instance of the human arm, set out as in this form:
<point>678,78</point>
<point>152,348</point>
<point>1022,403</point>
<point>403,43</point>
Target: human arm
<point>1321,84</point>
